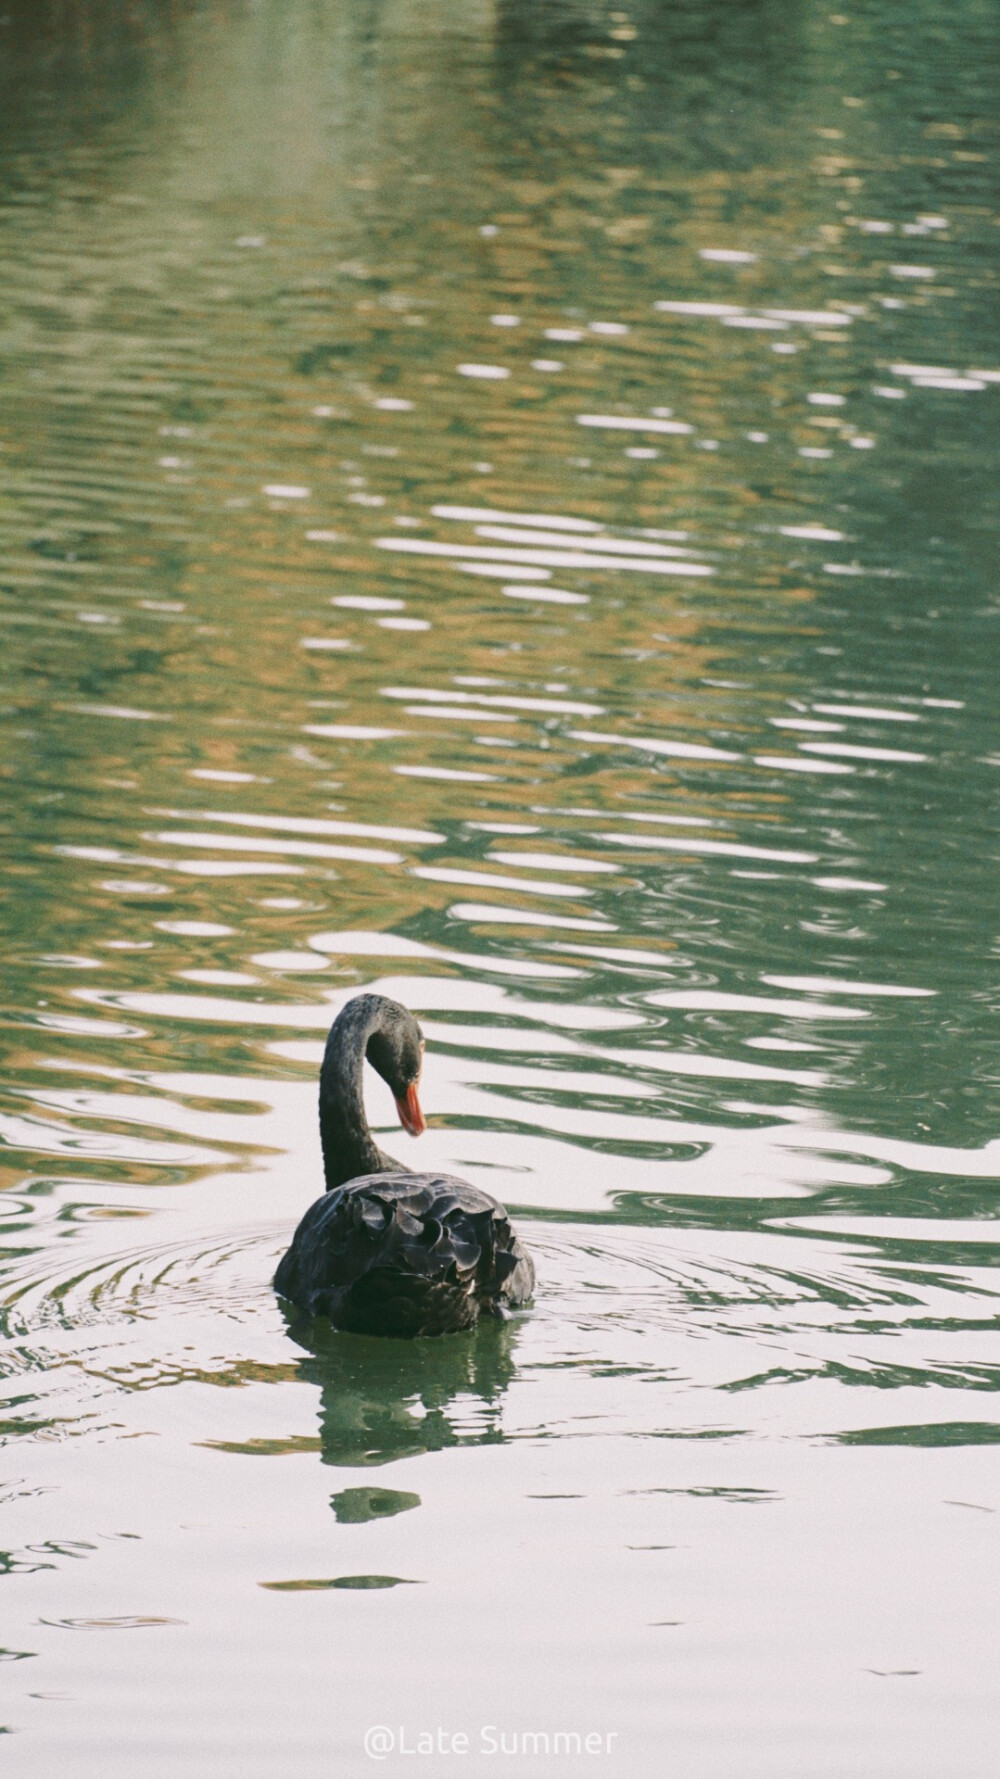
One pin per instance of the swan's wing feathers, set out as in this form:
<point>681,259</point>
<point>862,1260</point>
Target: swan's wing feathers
<point>406,1254</point>
<point>504,1264</point>
<point>374,1215</point>
<point>330,1248</point>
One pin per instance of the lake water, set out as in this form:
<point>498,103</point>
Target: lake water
<point>499,507</point>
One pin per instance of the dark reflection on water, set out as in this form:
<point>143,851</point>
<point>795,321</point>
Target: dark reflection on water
<point>381,1400</point>
<point>677,67</point>
<point>357,1506</point>
<point>498,506</point>
<point>938,1433</point>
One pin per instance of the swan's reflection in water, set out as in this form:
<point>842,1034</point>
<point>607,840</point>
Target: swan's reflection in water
<point>353,1507</point>
<point>381,1400</point>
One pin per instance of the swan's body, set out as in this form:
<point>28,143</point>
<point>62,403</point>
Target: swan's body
<point>387,1251</point>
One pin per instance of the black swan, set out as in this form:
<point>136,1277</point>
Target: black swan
<point>387,1251</point>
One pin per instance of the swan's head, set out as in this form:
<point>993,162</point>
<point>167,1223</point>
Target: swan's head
<point>396,1051</point>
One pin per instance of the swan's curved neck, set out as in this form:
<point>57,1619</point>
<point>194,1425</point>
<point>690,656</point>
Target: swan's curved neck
<point>349,1149</point>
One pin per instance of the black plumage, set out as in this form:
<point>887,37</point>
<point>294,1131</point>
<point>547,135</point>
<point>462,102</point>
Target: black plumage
<point>387,1251</point>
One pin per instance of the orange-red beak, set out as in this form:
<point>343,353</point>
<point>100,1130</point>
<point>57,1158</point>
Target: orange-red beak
<point>410,1115</point>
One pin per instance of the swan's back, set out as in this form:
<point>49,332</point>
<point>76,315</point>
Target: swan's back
<point>405,1254</point>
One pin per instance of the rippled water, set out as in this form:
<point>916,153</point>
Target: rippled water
<point>499,507</point>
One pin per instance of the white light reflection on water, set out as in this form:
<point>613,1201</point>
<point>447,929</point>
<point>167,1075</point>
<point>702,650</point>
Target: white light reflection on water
<point>545,558</point>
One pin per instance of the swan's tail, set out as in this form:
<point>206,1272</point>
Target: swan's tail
<point>391,1300</point>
